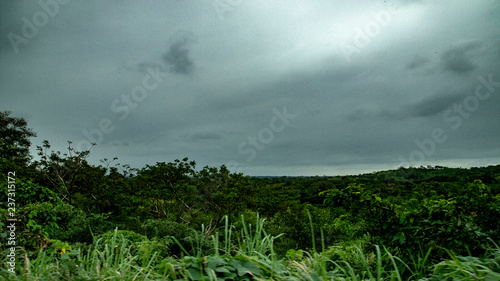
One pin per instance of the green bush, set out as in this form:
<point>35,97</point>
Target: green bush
<point>73,224</point>
<point>77,226</point>
<point>36,224</point>
<point>39,223</point>
<point>27,192</point>
<point>162,228</point>
<point>163,231</point>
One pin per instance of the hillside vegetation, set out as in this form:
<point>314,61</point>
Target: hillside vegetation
<point>172,221</point>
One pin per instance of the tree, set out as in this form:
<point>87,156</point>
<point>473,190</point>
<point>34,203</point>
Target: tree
<point>221,194</point>
<point>169,189</point>
<point>14,140</point>
<point>64,173</point>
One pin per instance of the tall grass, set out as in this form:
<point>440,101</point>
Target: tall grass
<point>247,254</point>
<point>101,262</point>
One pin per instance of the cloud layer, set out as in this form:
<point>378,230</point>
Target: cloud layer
<point>167,79</point>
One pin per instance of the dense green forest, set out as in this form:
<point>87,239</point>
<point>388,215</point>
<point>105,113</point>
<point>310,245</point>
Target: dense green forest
<point>174,221</point>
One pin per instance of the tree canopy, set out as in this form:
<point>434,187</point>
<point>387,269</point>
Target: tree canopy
<point>14,139</point>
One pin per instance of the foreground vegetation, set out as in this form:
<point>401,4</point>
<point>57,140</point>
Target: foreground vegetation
<point>170,221</point>
<point>251,258</point>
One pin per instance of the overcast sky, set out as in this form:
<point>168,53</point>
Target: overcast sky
<point>289,87</point>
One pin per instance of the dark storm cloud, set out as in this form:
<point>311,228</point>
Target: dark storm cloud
<point>178,57</point>
<point>459,59</point>
<point>264,57</point>
<point>433,105</point>
<point>428,107</point>
<point>201,136</point>
<point>417,62</point>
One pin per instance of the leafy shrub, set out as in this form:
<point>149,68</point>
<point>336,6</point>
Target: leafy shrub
<point>163,230</point>
<point>39,223</point>
<point>77,226</point>
<point>27,192</point>
<point>215,267</point>
<point>73,224</point>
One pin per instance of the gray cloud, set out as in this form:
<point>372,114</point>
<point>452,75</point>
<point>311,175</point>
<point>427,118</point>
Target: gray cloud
<point>433,105</point>
<point>417,62</point>
<point>458,59</point>
<point>201,136</point>
<point>177,57</point>
<point>81,68</point>
<point>428,107</point>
